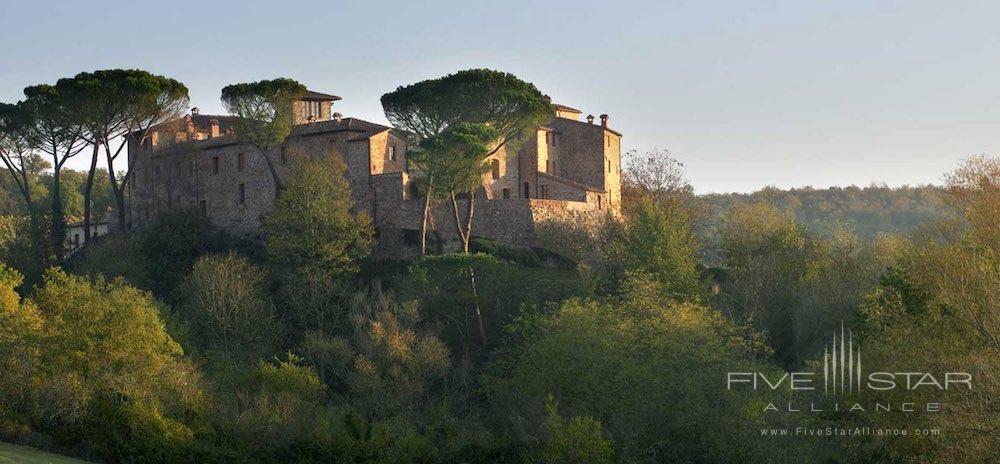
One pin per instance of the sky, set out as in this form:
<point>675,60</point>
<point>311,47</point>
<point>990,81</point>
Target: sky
<point>746,94</point>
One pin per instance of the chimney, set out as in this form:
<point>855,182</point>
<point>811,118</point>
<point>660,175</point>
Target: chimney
<point>604,121</point>
<point>188,124</point>
<point>337,117</point>
<point>590,119</point>
<point>213,128</point>
<point>195,111</point>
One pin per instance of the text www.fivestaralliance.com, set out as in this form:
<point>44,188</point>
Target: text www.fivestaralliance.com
<point>848,432</point>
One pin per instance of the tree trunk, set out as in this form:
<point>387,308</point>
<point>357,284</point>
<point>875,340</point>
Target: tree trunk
<point>464,233</point>
<point>19,172</point>
<point>37,236</point>
<point>468,222</point>
<point>118,190</point>
<point>87,191</point>
<point>58,219</point>
<point>475,306</point>
<point>278,185</point>
<point>423,225</point>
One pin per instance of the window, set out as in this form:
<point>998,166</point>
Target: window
<point>243,194</point>
<point>527,190</point>
<point>600,205</point>
<point>204,208</point>
<point>496,169</point>
<point>76,239</point>
<point>241,162</point>
<point>392,153</point>
<point>215,165</point>
<point>544,191</point>
<point>554,137</point>
<point>313,110</point>
<point>506,193</point>
<point>609,165</point>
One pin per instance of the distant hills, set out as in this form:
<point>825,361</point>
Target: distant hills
<point>867,211</point>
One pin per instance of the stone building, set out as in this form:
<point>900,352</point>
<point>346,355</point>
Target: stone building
<point>570,170</point>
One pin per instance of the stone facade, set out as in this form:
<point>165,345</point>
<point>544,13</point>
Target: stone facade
<point>570,170</point>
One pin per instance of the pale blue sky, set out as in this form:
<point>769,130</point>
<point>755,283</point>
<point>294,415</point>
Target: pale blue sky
<point>746,94</point>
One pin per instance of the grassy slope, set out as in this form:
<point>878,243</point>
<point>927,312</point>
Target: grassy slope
<point>24,455</point>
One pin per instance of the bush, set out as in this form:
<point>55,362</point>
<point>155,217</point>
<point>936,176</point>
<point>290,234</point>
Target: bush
<point>158,256</point>
<point>90,363</point>
<point>441,286</point>
<point>272,405</point>
<point>653,373</point>
<point>226,302</point>
<point>521,255</point>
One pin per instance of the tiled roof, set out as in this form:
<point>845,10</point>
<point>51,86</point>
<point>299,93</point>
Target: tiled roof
<point>566,108</point>
<point>367,134</point>
<point>364,129</point>
<point>345,124</point>
<point>310,95</point>
<point>556,122</point>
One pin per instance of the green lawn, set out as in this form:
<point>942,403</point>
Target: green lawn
<point>23,455</point>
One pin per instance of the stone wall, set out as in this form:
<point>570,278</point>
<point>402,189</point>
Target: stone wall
<point>185,176</point>
<point>556,188</point>
<point>207,176</point>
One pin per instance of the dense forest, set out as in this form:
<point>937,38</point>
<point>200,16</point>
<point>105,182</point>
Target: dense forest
<point>609,343</point>
<point>867,212</point>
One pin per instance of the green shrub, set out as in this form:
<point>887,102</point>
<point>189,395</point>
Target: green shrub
<point>518,254</point>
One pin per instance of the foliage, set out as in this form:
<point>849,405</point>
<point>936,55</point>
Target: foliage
<point>974,189</point>
<point>225,300</point>
<point>264,118</point>
<point>460,119</point>
<point>504,289</point>
<point>92,360</point>
<point>766,256</point>
<point>121,104</point>
<point>574,441</point>
<point>58,132</point>
<point>455,157</point>
<point>264,109</point>
<point>274,402</point>
<point>518,254</point>
<point>315,242</point>
<point>868,211</point>
<point>656,175</point>
<point>656,240</point>
<point>311,229</point>
<point>480,96</point>
<point>161,254</point>
<point>170,247</point>
<point>386,365</point>
<point>72,183</point>
<point>618,361</point>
